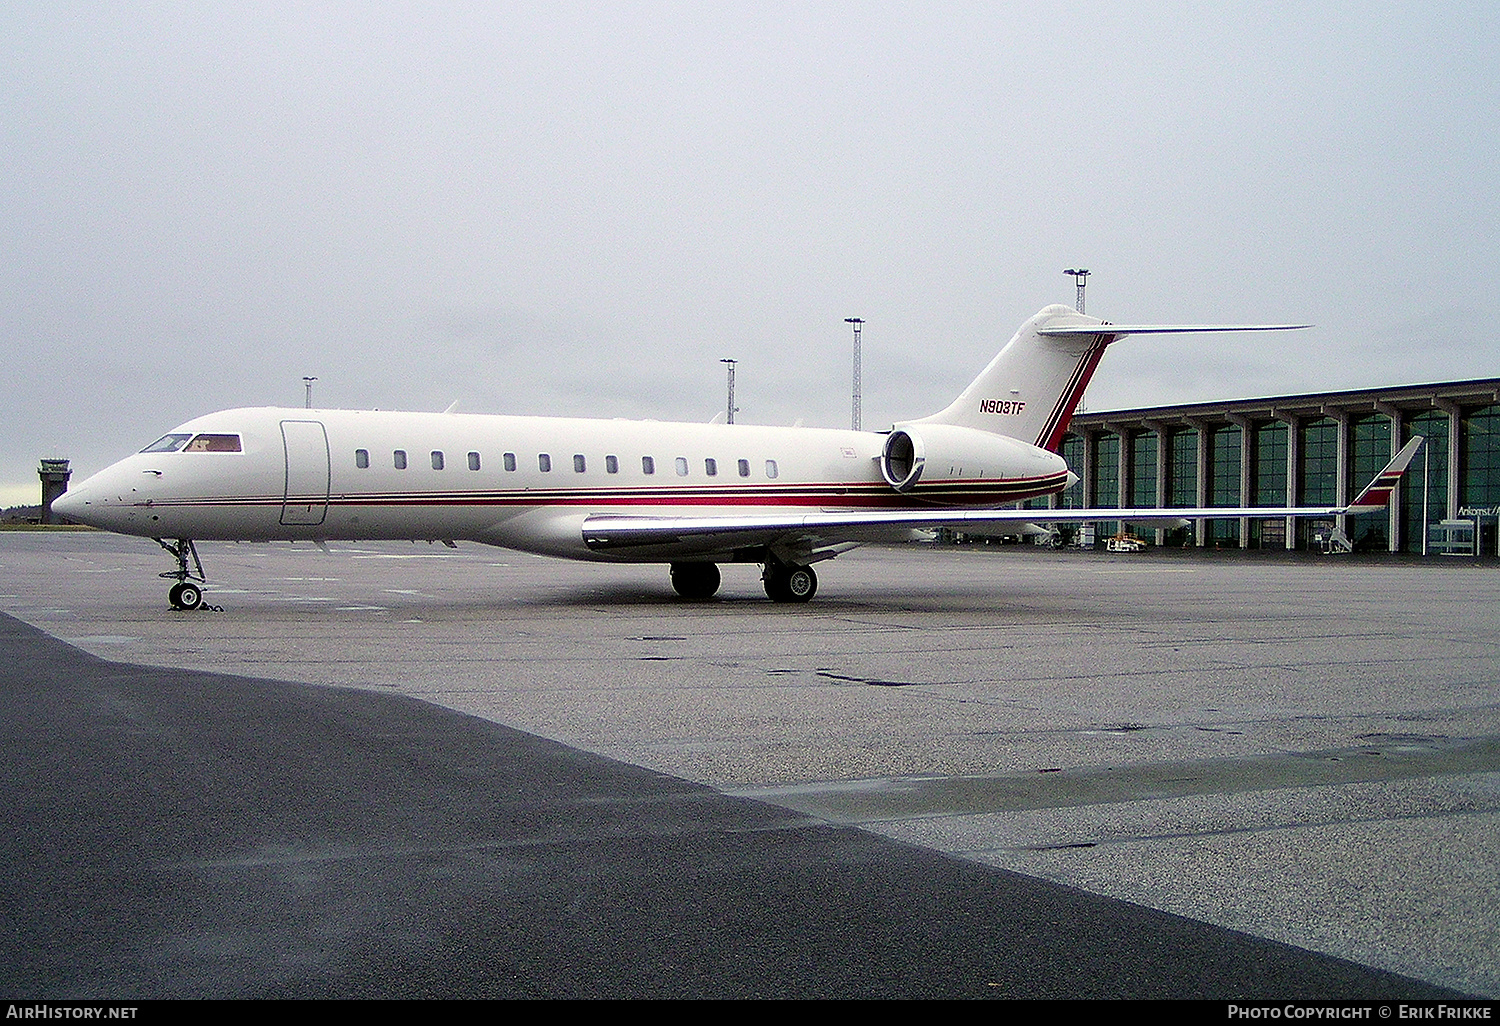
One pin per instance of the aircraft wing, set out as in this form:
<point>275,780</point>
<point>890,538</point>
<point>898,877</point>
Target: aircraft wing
<point>812,530</point>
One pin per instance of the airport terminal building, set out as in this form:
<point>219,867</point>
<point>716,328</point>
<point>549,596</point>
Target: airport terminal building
<point>1301,450</point>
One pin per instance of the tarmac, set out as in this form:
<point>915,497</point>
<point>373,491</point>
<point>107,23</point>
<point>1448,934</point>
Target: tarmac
<point>957,773</point>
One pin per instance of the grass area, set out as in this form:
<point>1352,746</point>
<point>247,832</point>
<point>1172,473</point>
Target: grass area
<point>45,527</point>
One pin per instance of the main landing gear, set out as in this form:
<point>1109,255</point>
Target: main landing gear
<point>788,582</point>
<point>695,581</point>
<point>785,582</point>
<point>185,594</point>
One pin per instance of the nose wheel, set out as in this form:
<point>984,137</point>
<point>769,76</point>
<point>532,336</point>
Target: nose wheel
<point>185,594</point>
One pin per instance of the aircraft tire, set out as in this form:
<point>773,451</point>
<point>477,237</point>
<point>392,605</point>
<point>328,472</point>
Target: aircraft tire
<point>185,596</point>
<point>790,583</point>
<point>695,581</point>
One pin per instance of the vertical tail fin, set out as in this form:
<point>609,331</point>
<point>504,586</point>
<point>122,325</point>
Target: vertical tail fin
<point>1031,388</point>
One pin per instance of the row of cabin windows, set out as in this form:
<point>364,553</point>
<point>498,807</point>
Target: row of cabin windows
<point>580,464</point>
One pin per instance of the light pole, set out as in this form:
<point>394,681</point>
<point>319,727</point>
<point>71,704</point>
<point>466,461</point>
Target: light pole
<point>855,417</point>
<point>731,364</point>
<point>1081,277</point>
<point>308,382</point>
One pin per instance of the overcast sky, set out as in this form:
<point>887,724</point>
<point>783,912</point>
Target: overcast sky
<point>580,208</point>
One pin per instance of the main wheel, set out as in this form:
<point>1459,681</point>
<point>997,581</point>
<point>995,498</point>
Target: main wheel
<point>185,596</point>
<point>789,583</point>
<point>695,581</point>
<point>801,583</point>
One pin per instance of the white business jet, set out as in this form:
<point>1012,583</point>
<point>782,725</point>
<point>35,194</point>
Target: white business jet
<point>689,495</point>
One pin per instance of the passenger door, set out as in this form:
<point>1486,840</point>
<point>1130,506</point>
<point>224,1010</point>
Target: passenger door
<point>305,500</point>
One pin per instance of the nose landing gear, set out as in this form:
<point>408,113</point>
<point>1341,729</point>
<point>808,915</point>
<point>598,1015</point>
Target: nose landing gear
<point>184,594</point>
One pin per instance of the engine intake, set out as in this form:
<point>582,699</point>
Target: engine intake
<point>902,461</point>
<point>938,458</point>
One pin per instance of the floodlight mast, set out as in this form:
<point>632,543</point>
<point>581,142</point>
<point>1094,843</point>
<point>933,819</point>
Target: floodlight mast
<point>1081,277</point>
<point>855,416</point>
<point>732,407</point>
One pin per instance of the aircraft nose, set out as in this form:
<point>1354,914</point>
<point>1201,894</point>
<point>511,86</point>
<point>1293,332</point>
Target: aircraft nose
<point>71,504</point>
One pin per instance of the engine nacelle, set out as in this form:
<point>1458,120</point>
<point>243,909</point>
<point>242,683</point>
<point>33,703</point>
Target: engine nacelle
<point>938,456</point>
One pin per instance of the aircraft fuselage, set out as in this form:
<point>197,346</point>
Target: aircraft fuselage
<point>526,483</point>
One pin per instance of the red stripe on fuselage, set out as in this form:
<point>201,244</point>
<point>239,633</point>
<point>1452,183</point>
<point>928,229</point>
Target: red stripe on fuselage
<point>955,493</point>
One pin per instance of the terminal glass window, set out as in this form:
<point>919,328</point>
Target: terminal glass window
<point>1479,457</point>
<point>1427,476</point>
<point>1268,465</point>
<point>1317,480</point>
<point>1222,533</point>
<point>1224,470</point>
<point>1106,471</point>
<point>1182,468</point>
<point>1143,456</point>
<point>1072,453</point>
<point>1369,452</point>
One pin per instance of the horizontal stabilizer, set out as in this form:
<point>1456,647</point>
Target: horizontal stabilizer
<point>1105,328</point>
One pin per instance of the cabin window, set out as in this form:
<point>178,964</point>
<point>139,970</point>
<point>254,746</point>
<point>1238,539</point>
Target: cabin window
<point>648,465</point>
<point>711,467</point>
<point>579,464</point>
<point>362,459</point>
<point>681,466</point>
<point>509,459</point>
<point>771,468</point>
<point>611,464</point>
<point>473,461</point>
<point>544,463</point>
<point>399,458</point>
<point>214,443</point>
<point>744,466</point>
<point>167,443</point>
<point>437,460</point>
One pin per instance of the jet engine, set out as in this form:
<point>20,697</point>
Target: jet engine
<point>922,456</point>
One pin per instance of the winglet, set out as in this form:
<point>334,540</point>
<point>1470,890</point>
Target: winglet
<point>1377,494</point>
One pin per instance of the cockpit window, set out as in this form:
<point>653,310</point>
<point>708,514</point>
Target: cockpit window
<point>167,443</point>
<point>214,443</point>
